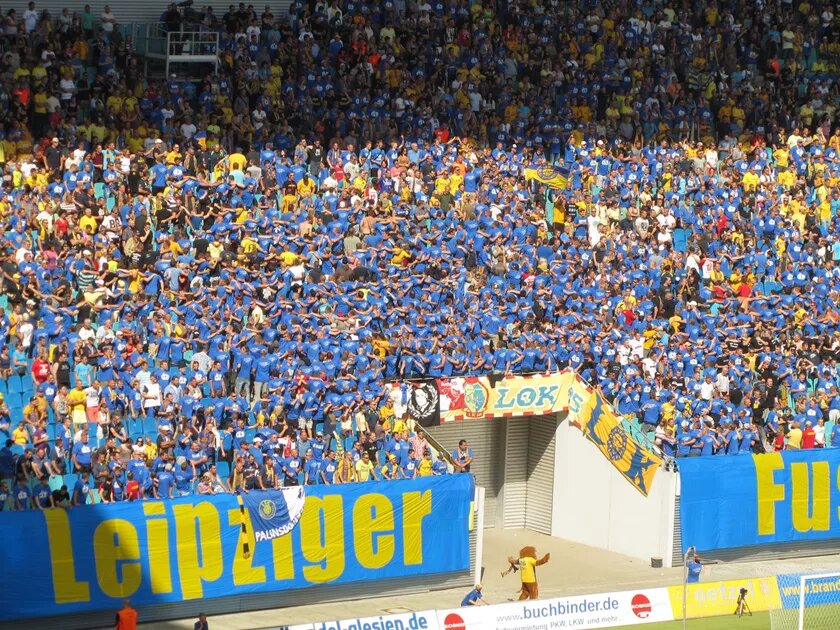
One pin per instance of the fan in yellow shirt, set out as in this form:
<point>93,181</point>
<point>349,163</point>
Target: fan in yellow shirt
<point>76,399</point>
<point>750,181</point>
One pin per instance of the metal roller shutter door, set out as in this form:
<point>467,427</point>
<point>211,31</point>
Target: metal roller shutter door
<point>516,472</point>
<point>486,438</point>
<point>540,472</point>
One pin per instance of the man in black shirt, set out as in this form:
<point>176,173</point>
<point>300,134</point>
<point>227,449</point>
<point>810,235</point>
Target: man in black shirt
<point>316,158</point>
<point>61,497</point>
<point>53,158</point>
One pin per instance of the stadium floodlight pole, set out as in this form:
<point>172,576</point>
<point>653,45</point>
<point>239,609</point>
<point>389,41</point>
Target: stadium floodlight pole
<point>688,552</point>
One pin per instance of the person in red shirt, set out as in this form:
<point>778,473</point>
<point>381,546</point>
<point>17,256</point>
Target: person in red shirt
<point>40,369</point>
<point>132,488</point>
<point>808,436</point>
<point>779,442</point>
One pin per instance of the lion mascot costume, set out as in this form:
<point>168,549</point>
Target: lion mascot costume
<point>527,564</point>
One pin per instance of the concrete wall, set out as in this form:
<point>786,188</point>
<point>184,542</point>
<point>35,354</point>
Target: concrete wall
<point>594,505</point>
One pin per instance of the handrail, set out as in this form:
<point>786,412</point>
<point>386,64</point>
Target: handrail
<point>437,446</point>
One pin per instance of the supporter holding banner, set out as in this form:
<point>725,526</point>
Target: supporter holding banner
<point>551,176</point>
<point>274,513</point>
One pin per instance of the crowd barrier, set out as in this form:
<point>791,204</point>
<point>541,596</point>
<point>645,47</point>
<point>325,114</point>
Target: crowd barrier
<point>760,499</point>
<point>90,558</point>
<point>603,610</point>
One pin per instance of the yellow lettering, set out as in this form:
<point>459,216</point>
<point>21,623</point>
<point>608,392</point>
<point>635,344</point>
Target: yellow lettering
<point>244,572</point>
<point>204,519</point>
<point>67,588</point>
<point>322,538</point>
<point>284,566</point>
<point>768,492</point>
<point>838,487</point>
<point>373,516</point>
<point>157,535</point>
<point>416,507</point>
<point>114,543</point>
<point>811,508</point>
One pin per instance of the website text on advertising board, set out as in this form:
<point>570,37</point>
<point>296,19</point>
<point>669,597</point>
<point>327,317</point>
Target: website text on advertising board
<point>812,588</point>
<point>557,609</point>
<point>417,621</point>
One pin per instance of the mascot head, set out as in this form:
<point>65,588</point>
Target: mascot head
<point>528,552</point>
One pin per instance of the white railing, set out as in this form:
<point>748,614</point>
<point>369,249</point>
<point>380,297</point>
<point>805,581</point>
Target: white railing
<point>180,47</point>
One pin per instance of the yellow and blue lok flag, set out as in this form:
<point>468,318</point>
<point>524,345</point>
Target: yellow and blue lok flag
<point>552,176</point>
<point>600,425</point>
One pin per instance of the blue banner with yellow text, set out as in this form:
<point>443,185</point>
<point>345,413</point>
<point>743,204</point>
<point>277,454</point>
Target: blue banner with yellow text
<point>89,558</point>
<point>759,499</point>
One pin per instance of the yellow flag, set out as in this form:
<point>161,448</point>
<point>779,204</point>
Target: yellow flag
<point>547,175</point>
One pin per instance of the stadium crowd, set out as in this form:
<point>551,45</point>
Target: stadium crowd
<point>196,274</point>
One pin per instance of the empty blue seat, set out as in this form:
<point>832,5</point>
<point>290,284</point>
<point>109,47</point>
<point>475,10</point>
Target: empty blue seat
<point>150,427</point>
<point>223,468</point>
<point>134,426</point>
<point>17,449</point>
<point>70,480</point>
<point>15,384</point>
<point>56,481</point>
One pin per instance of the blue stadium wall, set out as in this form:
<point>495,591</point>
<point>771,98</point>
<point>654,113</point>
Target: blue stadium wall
<point>761,507</point>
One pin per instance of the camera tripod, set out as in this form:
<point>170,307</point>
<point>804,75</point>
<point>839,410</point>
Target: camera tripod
<point>742,606</point>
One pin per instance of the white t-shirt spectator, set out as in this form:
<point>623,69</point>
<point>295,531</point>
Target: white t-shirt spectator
<point>297,272</point>
<point>53,104</point>
<point>819,435</point>
<point>68,88</point>
<point>30,20</point>
<point>108,20</point>
<point>152,395</point>
<point>92,397</point>
<point>86,333</point>
<point>188,130</point>
<point>25,331</point>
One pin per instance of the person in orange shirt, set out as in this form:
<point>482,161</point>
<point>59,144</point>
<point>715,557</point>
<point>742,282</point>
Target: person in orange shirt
<point>126,617</point>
